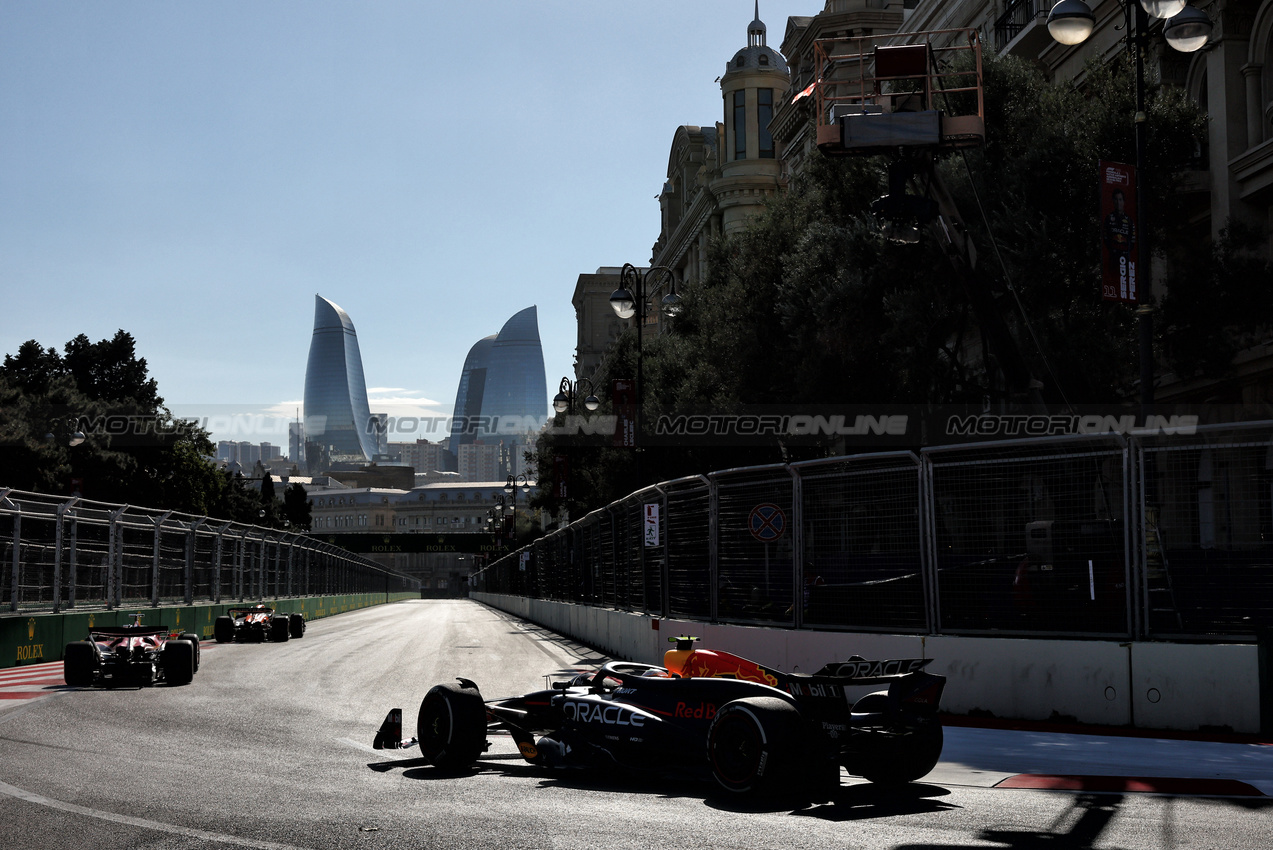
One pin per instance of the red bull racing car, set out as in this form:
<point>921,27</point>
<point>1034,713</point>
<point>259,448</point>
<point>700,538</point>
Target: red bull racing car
<point>255,624</point>
<point>755,730</point>
<point>134,655</point>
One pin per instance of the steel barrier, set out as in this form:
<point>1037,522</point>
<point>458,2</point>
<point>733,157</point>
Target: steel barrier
<point>65,553</point>
<point>1156,534</point>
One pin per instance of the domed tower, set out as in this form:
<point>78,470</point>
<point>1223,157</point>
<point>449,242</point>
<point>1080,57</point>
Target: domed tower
<point>753,82</point>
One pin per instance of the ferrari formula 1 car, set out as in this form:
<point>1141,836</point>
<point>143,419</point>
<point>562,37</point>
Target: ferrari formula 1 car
<point>754,729</point>
<point>131,655</point>
<point>256,624</point>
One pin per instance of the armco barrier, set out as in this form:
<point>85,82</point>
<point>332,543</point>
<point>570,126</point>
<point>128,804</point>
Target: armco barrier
<point>1142,684</point>
<point>37,638</point>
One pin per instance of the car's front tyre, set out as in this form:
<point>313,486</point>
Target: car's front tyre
<point>753,745</point>
<point>451,726</point>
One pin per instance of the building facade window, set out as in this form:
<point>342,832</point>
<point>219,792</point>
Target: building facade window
<point>765,114</point>
<point>740,125</point>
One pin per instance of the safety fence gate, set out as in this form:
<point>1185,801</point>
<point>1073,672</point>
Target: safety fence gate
<point>1143,535</point>
<point>62,553</point>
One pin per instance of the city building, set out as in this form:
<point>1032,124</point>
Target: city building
<point>503,393</point>
<point>419,513</point>
<point>339,427</point>
<point>720,176</point>
<point>598,326</point>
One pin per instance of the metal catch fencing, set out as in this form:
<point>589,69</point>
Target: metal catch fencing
<point>62,553</point>
<point>1145,535</point>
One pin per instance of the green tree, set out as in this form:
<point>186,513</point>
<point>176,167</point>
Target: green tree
<point>809,306</point>
<point>134,450</point>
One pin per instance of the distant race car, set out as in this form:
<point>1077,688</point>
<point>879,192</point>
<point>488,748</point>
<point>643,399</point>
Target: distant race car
<point>135,655</point>
<point>256,624</point>
<point>754,729</point>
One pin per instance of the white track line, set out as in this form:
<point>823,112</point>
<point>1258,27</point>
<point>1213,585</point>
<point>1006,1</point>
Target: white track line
<point>142,823</point>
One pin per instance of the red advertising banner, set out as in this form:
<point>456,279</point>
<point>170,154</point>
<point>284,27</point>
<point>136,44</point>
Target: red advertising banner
<point>1120,243</point>
<point>561,476</point>
<point>623,395</point>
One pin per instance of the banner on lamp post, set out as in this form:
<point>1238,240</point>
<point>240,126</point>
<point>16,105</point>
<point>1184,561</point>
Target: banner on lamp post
<point>623,394</point>
<point>1120,243</point>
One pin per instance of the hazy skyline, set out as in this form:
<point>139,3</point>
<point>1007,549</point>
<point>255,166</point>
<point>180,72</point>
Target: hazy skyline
<point>194,173</point>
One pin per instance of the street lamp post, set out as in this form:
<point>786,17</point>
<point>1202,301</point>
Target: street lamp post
<point>1186,29</point>
<point>568,392</point>
<point>511,486</point>
<point>632,298</point>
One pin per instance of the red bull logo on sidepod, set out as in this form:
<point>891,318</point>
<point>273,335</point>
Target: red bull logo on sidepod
<point>707,663</point>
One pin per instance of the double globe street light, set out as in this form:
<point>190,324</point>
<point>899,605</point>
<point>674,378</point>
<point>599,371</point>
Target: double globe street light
<point>632,298</point>
<point>1186,29</point>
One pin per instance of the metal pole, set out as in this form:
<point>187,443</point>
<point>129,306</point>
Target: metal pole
<point>17,557</point>
<point>73,579</point>
<point>154,564</point>
<point>1144,284</point>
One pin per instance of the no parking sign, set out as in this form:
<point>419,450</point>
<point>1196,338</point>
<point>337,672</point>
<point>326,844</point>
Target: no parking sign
<point>767,522</point>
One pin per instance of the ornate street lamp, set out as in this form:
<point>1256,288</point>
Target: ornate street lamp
<point>632,298</point>
<point>1186,29</point>
<point>567,393</point>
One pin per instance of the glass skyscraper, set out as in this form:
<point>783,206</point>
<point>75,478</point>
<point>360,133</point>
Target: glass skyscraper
<point>338,424</point>
<point>503,393</point>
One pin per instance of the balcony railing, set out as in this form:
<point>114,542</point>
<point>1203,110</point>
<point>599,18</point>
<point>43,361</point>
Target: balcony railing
<point>1015,18</point>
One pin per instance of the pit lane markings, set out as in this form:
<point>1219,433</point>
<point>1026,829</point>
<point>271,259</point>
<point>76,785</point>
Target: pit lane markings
<point>141,823</point>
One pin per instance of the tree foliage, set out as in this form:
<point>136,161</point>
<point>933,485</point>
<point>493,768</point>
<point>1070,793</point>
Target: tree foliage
<point>134,451</point>
<point>809,306</point>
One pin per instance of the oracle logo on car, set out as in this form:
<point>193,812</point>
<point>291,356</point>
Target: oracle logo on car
<point>860,669</point>
<point>611,715</point>
<point>702,711</point>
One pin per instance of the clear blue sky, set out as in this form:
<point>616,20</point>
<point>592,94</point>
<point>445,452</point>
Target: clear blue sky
<point>194,172</point>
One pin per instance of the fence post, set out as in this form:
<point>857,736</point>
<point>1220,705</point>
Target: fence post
<point>62,510</point>
<point>713,547</point>
<point>191,547</point>
<point>115,563</point>
<point>17,556</point>
<point>154,563</point>
<point>73,579</point>
<point>928,545</point>
<point>797,548</point>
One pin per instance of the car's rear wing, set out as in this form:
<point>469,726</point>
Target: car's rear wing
<point>251,610</point>
<point>859,671</point>
<point>129,631</point>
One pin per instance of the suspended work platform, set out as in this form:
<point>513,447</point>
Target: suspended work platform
<point>873,97</point>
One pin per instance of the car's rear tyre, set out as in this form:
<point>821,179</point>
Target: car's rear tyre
<point>753,745</point>
<point>194,641</point>
<point>902,757</point>
<point>296,625</point>
<point>451,726</point>
<point>279,629</point>
<point>177,658</point>
<point>79,664</point>
<point>223,629</point>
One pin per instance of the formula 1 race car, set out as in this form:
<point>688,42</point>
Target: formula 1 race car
<point>131,655</point>
<point>256,624</point>
<point>754,729</point>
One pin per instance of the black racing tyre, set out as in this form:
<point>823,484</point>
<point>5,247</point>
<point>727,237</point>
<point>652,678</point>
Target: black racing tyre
<point>279,628</point>
<point>451,727</point>
<point>194,641</point>
<point>903,757</point>
<point>177,659</point>
<point>754,745</point>
<point>296,625</point>
<point>79,664</point>
<point>223,629</point>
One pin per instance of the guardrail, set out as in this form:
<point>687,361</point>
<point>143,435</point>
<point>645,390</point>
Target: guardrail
<point>1163,534</point>
<point>59,553</point>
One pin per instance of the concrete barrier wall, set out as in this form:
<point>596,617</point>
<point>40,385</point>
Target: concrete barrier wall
<point>37,638</point>
<point>1147,685</point>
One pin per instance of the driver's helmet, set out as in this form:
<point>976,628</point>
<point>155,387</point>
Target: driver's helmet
<point>656,673</point>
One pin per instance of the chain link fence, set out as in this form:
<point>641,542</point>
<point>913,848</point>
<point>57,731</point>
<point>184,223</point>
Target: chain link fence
<point>60,553</point>
<point>1140,536</point>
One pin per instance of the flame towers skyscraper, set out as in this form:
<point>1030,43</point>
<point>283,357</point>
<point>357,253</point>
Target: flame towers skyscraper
<point>338,421</point>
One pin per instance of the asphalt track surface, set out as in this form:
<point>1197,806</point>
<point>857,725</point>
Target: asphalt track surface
<point>269,747</point>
